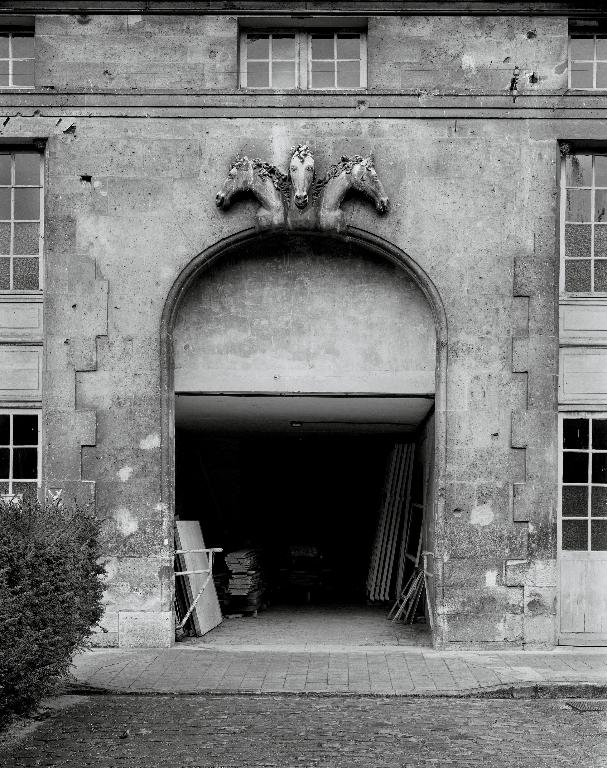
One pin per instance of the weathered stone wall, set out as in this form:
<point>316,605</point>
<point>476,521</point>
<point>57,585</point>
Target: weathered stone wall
<point>130,202</point>
<point>193,53</point>
<point>307,315</point>
<point>468,54</point>
<point>136,52</point>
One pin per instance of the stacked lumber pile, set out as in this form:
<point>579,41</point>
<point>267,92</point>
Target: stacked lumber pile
<point>246,586</point>
<point>386,573</point>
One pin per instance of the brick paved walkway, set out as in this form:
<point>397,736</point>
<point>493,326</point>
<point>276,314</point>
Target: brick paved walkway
<point>392,671</point>
<point>313,732</point>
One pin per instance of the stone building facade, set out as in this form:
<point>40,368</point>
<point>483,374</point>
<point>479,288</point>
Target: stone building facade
<point>488,133</point>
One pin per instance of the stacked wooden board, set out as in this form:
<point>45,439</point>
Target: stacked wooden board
<point>246,586</point>
<point>386,568</point>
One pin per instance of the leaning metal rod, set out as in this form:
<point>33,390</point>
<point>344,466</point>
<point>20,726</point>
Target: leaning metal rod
<point>208,571</point>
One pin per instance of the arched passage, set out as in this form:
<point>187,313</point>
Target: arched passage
<point>319,351</point>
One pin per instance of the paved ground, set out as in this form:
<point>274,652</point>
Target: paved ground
<point>283,732</point>
<point>311,627</point>
<point>196,668</point>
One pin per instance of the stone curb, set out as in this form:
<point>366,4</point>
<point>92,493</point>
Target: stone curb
<point>556,690</point>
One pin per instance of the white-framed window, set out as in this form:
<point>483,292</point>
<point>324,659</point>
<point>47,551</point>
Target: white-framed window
<point>584,223</point>
<point>309,60</point>
<point>588,62</point>
<point>583,482</point>
<point>16,59</point>
<point>21,219</point>
<point>20,455</point>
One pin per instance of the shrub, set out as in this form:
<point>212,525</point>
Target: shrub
<point>50,597</point>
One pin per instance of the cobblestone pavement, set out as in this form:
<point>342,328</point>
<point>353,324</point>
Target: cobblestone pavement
<point>386,671</point>
<point>281,732</point>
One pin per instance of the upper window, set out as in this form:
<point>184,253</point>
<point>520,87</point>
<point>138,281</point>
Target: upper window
<point>16,60</point>
<point>584,223</point>
<point>308,60</point>
<point>21,207</point>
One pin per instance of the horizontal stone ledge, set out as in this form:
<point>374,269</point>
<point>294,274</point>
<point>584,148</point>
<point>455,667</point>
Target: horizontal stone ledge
<point>295,112</point>
<point>302,98</point>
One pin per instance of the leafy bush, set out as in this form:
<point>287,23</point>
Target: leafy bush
<point>50,597</point>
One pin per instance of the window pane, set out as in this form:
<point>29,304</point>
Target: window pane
<point>323,74</point>
<point>600,275</point>
<point>322,47</point>
<point>23,46</point>
<point>5,203</point>
<point>600,170</point>
<point>25,429</point>
<point>599,434</point>
<point>600,240</point>
<point>348,46</point>
<point>578,240</point>
<point>23,73</point>
<point>5,169</point>
<point>3,46</point>
<point>258,74</point>
<point>578,205</point>
<point>601,75</point>
<point>577,275</point>
<point>599,468</point>
<point>600,205</point>
<point>27,203</point>
<point>579,170</point>
<point>29,491</point>
<point>598,501</point>
<point>27,168</point>
<point>575,501</point>
<point>283,74</point>
<point>4,79</point>
<point>25,463</point>
<point>581,48</point>
<point>601,48</point>
<point>5,273</point>
<point>258,46</point>
<point>26,275</point>
<point>582,74</point>
<point>283,46</point>
<point>348,74</point>
<point>575,535</point>
<point>576,433</point>
<point>4,463</point>
<point>26,238</point>
<point>575,467</point>
<point>5,237</point>
<point>599,535</point>
<point>5,429</point>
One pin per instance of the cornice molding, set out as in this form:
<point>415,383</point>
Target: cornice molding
<point>302,8</point>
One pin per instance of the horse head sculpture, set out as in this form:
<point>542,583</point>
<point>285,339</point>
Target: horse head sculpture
<point>263,181</point>
<point>301,172</point>
<point>351,173</point>
<point>297,200</point>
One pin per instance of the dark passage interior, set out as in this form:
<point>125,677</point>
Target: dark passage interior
<point>305,498</point>
<point>309,503</point>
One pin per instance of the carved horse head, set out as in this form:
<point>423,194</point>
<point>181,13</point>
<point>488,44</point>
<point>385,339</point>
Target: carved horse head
<point>365,180</point>
<point>301,172</point>
<point>262,181</point>
<point>239,179</point>
<point>351,173</point>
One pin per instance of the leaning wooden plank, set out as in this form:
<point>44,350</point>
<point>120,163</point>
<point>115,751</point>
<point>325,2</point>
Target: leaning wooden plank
<point>398,508</point>
<point>389,521</point>
<point>376,554</point>
<point>207,613</point>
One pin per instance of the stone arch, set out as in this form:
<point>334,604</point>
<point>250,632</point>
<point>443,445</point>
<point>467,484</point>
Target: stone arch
<point>376,245</point>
